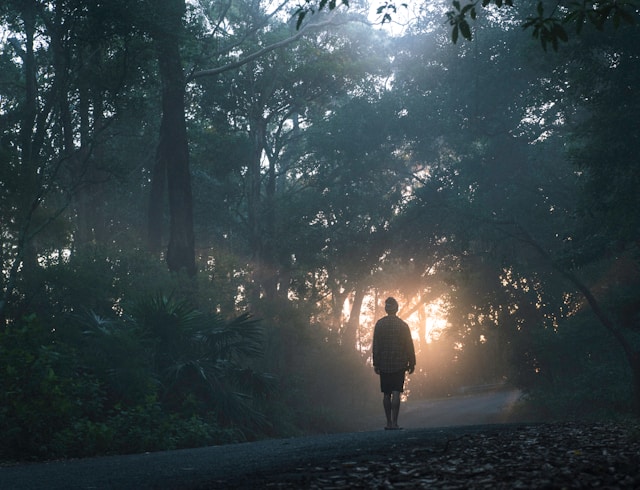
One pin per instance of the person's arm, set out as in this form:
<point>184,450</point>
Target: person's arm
<point>410,351</point>
<point>374,349</point>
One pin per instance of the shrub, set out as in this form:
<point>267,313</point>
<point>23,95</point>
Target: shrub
<point>43,390</point>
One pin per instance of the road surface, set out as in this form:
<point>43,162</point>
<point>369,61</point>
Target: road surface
<point>245,465</point>
<point>475,409</point>
<point>489,407</point>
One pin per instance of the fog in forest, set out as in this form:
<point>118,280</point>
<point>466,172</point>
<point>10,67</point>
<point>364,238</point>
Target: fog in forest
<point>205,205</point>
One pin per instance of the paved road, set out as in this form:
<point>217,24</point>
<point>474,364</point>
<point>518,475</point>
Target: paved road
<point>242,465</point>
<point>489,407</point>
<point>474,409</point>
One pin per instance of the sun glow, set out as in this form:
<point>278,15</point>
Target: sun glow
<point>434,316</point>
<point>436,321</point>
<point>427,322</point>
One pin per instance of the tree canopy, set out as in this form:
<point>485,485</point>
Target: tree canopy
<point>204,206</point>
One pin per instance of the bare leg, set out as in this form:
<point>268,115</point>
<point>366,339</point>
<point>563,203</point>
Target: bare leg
<point>395,409</point>
<point>386,403</point>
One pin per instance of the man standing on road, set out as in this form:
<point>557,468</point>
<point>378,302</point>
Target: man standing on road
<point>393,354</point>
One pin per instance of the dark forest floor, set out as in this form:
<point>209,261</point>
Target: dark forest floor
<point>567,455</point>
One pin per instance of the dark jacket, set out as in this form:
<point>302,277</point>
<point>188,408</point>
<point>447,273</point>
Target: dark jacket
<point>392,345</point>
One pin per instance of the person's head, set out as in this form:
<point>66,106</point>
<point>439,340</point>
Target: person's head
<point>391,306</point>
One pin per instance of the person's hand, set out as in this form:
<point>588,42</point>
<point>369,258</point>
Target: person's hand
<point>411,369</point>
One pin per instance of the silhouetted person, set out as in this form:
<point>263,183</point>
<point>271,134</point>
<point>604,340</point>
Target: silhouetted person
<point>393,355</point>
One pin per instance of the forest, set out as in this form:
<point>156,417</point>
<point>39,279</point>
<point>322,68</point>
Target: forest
<point>205,203</point>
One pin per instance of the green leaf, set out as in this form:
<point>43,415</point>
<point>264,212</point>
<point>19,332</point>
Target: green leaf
<point>560,33</point>
<point>580,21</point>
<point>466,8</point>
<point>465,30</point>
<point>454,34</point>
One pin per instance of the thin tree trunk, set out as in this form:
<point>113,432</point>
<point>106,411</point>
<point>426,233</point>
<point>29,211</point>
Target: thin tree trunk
<point>350,334</point>
<point>254,176</point>
<point>91,174</point>
<point>631,353</point>
<point>269,259</point>
<point>155,211</point>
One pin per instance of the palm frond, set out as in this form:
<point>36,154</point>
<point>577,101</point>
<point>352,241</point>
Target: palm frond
<point>239,338</point>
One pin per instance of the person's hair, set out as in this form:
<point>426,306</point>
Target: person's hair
<point>391,305</point>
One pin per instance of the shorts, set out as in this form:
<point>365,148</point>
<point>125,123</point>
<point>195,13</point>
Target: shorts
<point>392,382</point>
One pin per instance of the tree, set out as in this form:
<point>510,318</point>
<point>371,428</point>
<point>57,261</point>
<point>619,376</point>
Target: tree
<point>172,157</point>
<point>273,102</point>
<point>527,201</point>
<point>72,96</point>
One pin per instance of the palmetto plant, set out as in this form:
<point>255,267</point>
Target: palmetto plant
<point>201,363</point>
<point>203,360</point>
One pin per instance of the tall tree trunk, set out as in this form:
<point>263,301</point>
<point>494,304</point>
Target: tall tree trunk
<point>26,252</point>
<point>173,148</point>
<point>30,142</point>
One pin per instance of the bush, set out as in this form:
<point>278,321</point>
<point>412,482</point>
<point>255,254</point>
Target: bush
<point>95,386</point>
<point>582,374</point>
<point>43,390</point>
<point>136,430</point>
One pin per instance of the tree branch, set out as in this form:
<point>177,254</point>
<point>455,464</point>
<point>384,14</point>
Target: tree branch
<point>253,56</point>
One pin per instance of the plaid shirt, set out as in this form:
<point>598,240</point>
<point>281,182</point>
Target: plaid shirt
<point>392,345</point>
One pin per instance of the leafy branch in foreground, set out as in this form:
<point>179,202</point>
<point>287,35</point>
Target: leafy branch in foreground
<point>550,29</point>
<point>309,8</point>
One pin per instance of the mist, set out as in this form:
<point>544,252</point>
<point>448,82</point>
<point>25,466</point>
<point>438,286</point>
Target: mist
<point>203,210</point>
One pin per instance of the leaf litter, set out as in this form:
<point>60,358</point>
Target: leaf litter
<point>560,455</point>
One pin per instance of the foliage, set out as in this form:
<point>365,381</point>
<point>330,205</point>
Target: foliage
<point>170,378</point>
<point>579,374</point>
<point>329,168</point>
<point>547,28</point>
<point>44,390</point>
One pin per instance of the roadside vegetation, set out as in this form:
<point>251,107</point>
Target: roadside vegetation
<point>204,205</point>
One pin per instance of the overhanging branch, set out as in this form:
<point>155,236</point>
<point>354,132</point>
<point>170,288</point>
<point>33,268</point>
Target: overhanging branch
<point>267,49</point>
